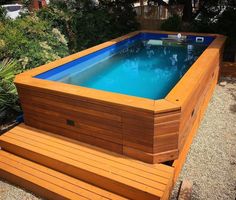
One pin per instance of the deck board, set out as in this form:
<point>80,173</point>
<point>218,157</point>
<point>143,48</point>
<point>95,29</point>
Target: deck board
<point>113,172</point>
<point>51,184</point>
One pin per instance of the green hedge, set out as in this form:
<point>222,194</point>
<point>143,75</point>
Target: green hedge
<point>28,42</point>
<point>173,23</point>
<point>31,42</point>
<point>8,94</point>
<point>51,33</point>
<point>86,23</point>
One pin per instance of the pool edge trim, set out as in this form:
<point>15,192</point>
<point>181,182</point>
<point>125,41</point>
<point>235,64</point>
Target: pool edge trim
<point>156,106</point>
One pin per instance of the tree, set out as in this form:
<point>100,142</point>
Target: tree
<point>2,2</point>
<point>3,14</point>
<point>87,23</point>
<point>157,2</point>
<point>187,12</point>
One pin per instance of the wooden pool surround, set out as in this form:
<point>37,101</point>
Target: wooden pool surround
<point>147,130</point>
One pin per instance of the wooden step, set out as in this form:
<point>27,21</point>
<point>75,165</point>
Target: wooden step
<point>110,171</point>
<point>46,182</point>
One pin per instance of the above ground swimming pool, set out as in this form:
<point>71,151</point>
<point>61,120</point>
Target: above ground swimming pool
<point>138,95</point>
<point>146,65</point>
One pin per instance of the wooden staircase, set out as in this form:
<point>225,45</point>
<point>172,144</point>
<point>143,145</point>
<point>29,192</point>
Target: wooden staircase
<point>56,167</point>
<point>46,182</point>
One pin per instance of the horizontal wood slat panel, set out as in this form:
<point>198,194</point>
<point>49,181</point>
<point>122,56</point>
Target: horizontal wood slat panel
<point>166,128</point>
<point>166,142</point>
<point>61,118</point>
<point>124,128</point>
<point>47,182</point>
<point>165,117</point>
<point>117,121</point>
<point>82,117</point>
<point>74,135</point>
<point>188,106</point>
<point>107,155</point>
<point>77,128</point>
<point>129,103</point>
<point>69,104</point>
<point>91,167</point>
<point>161,143</point>
<point>148,157</point>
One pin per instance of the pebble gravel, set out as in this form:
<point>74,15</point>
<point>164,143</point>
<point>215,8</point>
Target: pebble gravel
<point>211,161</point>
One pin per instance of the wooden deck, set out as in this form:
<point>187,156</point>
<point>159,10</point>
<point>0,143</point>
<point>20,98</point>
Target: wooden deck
<point>58,157</point>
<point>55,167</point>
<point>152,131</point>
<point>46,182</point>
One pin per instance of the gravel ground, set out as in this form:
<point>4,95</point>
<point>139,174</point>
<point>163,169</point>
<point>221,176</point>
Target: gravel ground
<point>9,192</point>
<point>211,162</point>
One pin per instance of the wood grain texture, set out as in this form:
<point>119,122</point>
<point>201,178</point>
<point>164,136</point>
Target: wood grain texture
<point>144,129</point>
<point>178,163</point>
<point>109,171</point>
<point>46,182</point>
<point>196,84</point>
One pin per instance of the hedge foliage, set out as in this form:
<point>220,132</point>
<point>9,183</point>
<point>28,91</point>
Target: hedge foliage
<point>87,23</point>
<point>31,42</point>
<point>25,43</point>
<point>63,27</point>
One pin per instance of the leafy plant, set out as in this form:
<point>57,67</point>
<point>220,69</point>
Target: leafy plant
<point>86,23</point>
<point>3,14</point>
<point>8,93</point>
<point>31,42</point>
<point>62,19</point>
<point>26,3</point>
<point>36,39</point>
<point>172,24</point>
<point>227,23</point>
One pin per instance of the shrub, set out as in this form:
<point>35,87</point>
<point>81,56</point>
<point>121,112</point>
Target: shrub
<point>172,24</point>
<point>8,93</point>
<point>86,23</point>
<point>3,14</point>
<point>227,23</point>
<point>62,19</point>
<point>36,39</point>
<point>110,20</point>
<point>31,42</point>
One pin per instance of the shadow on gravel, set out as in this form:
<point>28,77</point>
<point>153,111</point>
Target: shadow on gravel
<point>223,82</point>
<point>233,107</point>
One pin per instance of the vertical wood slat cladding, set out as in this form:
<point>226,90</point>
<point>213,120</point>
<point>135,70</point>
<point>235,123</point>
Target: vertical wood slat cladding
<point>148,130</point>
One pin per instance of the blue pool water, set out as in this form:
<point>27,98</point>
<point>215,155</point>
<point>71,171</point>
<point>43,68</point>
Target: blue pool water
<point>147,68</point>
